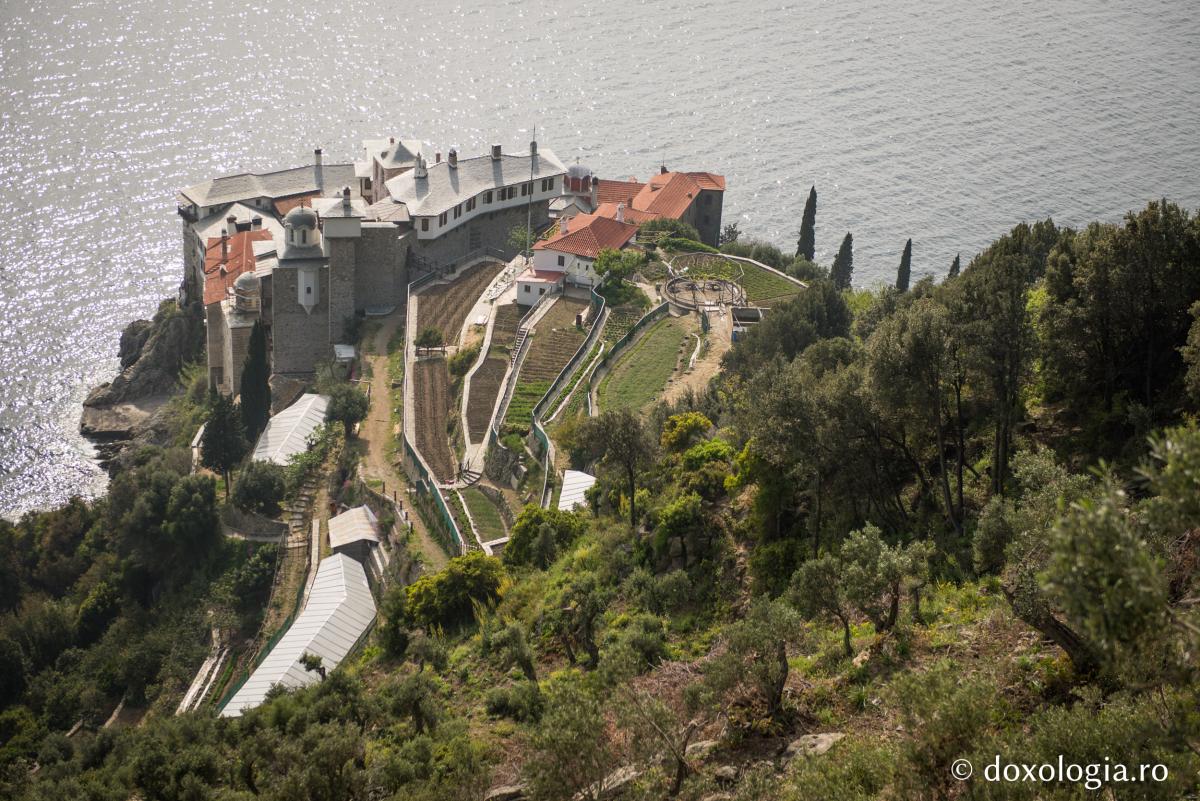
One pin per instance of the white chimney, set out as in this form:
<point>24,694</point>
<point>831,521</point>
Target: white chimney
<point>533,148</point>
<point>231,224</point>
<point>437,157</point>
<point>317,157</point>
<point>621,211</point>
<point>420,171</point>
<point>563,224</point>
<point>495,152</point>
<point>346,199</point>
<point>452,159</point>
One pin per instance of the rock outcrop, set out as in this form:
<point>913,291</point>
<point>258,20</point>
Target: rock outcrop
<point>151,352</point>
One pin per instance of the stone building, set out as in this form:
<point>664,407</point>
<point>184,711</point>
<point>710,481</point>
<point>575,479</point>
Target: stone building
<point>329,243</point>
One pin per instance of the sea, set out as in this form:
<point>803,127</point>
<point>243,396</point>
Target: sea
<point>940,120</point>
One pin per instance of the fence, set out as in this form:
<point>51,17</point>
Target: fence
<point>413,459</point>
<point>597,313</point>
<point>618,346</point>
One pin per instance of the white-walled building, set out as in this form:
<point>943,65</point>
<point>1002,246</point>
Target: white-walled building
<point>569,256</point>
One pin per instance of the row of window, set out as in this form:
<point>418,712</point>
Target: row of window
<point>503,193</point>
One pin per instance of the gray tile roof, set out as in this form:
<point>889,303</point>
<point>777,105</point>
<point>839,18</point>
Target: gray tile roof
<point>392,155</point>
<point>446,187</point>
<point>327,180</point>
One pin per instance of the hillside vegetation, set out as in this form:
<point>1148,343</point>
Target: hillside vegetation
<point>900,529</point>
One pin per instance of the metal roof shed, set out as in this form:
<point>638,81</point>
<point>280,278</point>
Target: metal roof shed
<point>287,433</point>
<point>339,611</point>
<point>575,484</point>
<point>353,526</point>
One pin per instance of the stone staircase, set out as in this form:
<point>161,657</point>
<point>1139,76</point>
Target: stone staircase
<point>522,335</point>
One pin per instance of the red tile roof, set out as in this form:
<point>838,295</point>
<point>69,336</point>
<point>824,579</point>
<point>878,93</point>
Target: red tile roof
<point>544,276</point>
<point>588,234</point>
<point>668,194</point>
<point>709,180</point>
<point>617,191</point>
<point>285,205</point>
<point>632,215</point>
<point>240,258</point>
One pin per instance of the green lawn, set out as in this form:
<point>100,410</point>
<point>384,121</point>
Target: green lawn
<point>484,513</point>
<point>763,287</point>
<point>525,397</point>
<point>641,372</point>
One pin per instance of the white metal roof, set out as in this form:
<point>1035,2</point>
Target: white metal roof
<point>339,610</point>
<point>287,433</point>
<point>279,184</point>
<point>575,484</point>
<point>353,525</point>
<point>446,186</point>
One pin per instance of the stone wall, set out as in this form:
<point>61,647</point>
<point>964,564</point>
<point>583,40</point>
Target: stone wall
<point>343,258</point>
<point>300,339</point>
<point>488,230</point>
<point>382,276</point>
<point>214,324</point>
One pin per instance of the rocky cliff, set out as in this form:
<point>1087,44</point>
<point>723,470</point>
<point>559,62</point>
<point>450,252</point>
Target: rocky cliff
<point>152,352</point>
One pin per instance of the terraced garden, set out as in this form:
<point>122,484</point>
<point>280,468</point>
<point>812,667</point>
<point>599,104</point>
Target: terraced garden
<point>504,330</point>
<point>763,287</point>
<point>641,372</point>
<point>487,380</point>
<point>431,402</point>
<point>484,513</point>
<point>555,341</point>
<point>446,306</point>
<point>485,386</point>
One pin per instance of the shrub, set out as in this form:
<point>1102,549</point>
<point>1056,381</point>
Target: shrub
<point>260,487</point>
<point>462,360</point>
<point>347,405</point>
<point>521,702</point>
<point>447,598</point>
<point>676,228</point>
<point>538,535</point>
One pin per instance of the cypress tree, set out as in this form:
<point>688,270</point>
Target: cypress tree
<point>843,263</point>
<point>256,387</point>
<point>807,245</point>
<point>224,442</point>
<point>905,271</point>
<point>955,265</point>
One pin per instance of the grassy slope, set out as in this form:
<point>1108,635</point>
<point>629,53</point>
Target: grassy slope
<point>641,373</point>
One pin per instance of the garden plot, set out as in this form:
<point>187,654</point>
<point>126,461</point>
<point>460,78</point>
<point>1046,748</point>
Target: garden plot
<point>555,341</point>
<point>431,399</point>
<point>641,372</point>
<point>762,287</point>
<point>485,386</point>
<point>504,330</point>
<point>446,306</point>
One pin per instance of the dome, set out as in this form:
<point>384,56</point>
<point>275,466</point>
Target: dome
<point>247,282</point>
<point>300,217</point>
<point>579,171</point>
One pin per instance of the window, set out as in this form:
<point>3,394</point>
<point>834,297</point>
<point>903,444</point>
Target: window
<point>424,223</point>
<point>524,190</point>
<point>442,218</point>
<point>547,184</point>
<point>470,204</point>
<point>304,236</point>
<point>458,211</point>
<point>487,196</point>
<point>542,291</point>
<point>528,289</point>
<point>562,260</point>
<point>308,290</point>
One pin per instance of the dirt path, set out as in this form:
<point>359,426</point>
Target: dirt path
<point>377,430</point>
<point>709,362</point>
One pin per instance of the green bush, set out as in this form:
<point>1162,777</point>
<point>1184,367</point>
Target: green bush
<point>676,228</point>
<point>521,702</point>
<point>347,405</point>
<point>462,360</point>
<point>260,487</point>
<point>446,599</point>
<point>539,535</point>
